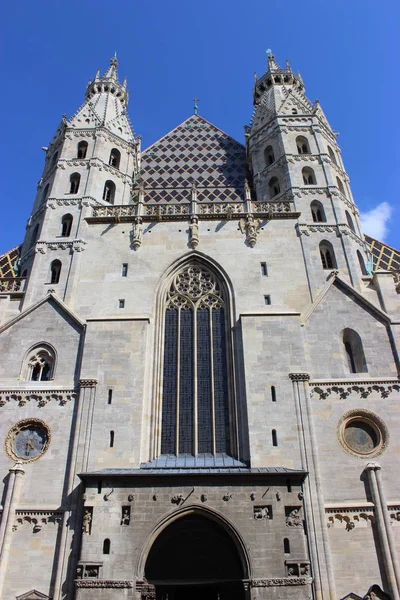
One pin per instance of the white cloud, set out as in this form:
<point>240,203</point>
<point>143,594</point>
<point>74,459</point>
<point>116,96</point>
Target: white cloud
<point>375,222</point>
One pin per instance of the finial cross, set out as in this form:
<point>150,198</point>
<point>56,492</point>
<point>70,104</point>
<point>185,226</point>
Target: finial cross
<point>195,106</point>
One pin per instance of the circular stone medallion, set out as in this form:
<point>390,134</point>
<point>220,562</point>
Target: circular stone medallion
<point>362,433</point>
<point>27,440</point>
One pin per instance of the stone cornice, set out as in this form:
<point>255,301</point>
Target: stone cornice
<point>37,518</point>
<point>338,228</point>
<point>88,383</point>
<point>104,583</point>
<point>103,132</point>
<point>280,582</point>
<point>71,245</point>
<point>299,376</point>
<point>38,397</point>
<point>96,163</point>
<point>341,389</point>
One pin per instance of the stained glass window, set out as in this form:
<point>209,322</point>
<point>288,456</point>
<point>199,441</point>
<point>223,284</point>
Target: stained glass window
<point>195,405</point>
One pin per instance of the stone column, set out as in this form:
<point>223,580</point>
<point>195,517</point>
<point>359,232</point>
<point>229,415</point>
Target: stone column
<point>383,528</point>
<point>79,458</point>
<point>8,516</point>
<point>314,507</point>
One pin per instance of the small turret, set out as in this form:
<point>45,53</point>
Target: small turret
<point>275,75</point>
<point>109,83</point>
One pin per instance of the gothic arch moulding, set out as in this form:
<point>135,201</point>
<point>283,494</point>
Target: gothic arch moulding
<point>39,351</point>
<point>221,286</point>
<point>202,511</point>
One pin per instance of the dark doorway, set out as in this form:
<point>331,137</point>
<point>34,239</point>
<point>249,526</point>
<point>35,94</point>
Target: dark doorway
<point>195,558</point>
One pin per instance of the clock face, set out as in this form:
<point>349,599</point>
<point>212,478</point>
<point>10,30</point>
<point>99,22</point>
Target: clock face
<point>27,440</point>
<point>30,441</point>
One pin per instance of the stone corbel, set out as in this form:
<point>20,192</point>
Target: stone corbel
<point>302,228</point>
<point>88,383</point>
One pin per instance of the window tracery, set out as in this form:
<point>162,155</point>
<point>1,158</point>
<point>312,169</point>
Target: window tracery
<point>195,405</point>
<point>40,364</point>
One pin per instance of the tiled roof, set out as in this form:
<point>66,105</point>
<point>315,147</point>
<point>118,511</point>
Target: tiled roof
<point>384,256</point>
<point>195,152</point>
<point>7,262</point>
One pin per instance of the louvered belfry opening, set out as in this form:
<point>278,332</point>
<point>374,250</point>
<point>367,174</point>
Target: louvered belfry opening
<point>195,405</point>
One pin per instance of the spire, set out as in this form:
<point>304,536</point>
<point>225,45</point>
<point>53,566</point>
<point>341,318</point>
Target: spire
<point>276,76</point>
<point>272,64</point>
<point>112,72</point>
<point>105,104</point>
<point>108,83</point>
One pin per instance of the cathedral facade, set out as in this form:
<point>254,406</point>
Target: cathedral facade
<point>199,388</point>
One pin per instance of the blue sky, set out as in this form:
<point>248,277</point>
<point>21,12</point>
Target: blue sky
<point>173,50</point>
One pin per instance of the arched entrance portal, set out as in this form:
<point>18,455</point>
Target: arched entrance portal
<point>195,558</point>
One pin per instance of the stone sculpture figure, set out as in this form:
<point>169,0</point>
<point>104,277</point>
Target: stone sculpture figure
<point>87,519</point>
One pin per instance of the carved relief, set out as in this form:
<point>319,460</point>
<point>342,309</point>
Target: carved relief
<point>263,512</point>
<point>41,397</point>
<point>36,519</point>
<point>279,582</point>
<point>365,388</point>
<point>296,568</point>
<point>395,515</point>
<point>349,518</point>
<point>104,583</point>
<point>294,517</point>
<point>88,570</point>
<point>146,590</point>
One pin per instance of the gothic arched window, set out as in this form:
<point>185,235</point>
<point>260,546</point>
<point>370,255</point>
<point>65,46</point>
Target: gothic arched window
<point>82,149</point>
<point>308,176</point>
<point>350,222</point>
<point>327,255</point>
<point>66,225</point>
<point>55,271</point>
<point>45,193</point>
<point>340,186</point>
<point>195,402</point>
<point>40,364</point>
<point>362,263</point>
<point>332,155</point>
<point>354,352</point>
<point>269,156</point>
<point>115,158</point>
<point>74,181</point>
<point>302,145</point>
<point>317,212</point>
<point>109,192</point>
<point>274,187</point>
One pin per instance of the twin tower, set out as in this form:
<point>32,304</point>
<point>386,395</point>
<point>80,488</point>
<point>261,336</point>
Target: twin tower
<point>200,367</point>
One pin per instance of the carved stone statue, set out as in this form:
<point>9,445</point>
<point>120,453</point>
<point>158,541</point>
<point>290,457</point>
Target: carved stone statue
<point>137,233</point>
<point>126,517</point>
<point>194,232</point>
<point>87,520</point>
<point>294,519</point>
<point>250,227</point>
